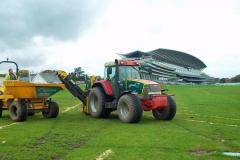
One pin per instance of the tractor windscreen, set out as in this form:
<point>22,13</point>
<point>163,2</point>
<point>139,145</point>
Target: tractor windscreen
<point>128,72</point>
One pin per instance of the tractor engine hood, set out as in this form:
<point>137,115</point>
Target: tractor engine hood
<point>145,82</point>
<point>140,86</point>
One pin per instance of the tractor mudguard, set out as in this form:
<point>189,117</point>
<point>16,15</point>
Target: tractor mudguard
<point>125,92</point>
<point>105,85</point>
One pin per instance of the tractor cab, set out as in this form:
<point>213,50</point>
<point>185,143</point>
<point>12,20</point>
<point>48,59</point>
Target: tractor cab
<point>118,74</point>
<point>124,76</point>
<point>127,70</point>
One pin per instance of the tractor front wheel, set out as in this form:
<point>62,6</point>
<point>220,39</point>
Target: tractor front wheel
<point>167,113</point>
<point>52,111</point>
<point>18,111</point>
<point>129,109</point>
<point>96,103</point>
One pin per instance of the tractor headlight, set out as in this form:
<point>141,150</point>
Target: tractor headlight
<point>146,89</point>
<point>145,94</point>
<point>155,89</point>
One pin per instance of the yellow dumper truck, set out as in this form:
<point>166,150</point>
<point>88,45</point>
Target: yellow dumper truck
<point>24,98</point>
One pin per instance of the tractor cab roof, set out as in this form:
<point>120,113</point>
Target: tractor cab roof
<point>123,63</point>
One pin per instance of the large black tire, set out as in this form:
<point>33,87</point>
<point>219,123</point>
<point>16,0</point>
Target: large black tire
<point>52,111</point>
<point>18,111</point>
<point>96,103</point>
<point>167,113</point>
<point>1,106</point>
<point>129,109</point>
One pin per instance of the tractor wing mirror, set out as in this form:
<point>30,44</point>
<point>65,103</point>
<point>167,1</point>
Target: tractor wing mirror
<point>116,61</point>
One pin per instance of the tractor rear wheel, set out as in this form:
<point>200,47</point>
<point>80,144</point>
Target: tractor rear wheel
<point>1,106</point>
<point>167,113</point>
<point>129,109</point>
<point>52,111</point>
<point>18,111</point>
<point>96,103</point>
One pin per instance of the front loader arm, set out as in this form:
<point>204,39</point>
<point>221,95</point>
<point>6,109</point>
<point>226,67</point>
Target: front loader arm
<point>74,89</point>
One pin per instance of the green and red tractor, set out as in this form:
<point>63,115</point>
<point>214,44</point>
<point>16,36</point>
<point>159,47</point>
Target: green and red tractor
<point>123,90</point>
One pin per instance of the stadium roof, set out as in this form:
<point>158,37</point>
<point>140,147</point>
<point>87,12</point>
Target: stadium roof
<point>170,56</point>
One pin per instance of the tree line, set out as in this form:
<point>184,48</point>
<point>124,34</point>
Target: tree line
<point>235,79</point>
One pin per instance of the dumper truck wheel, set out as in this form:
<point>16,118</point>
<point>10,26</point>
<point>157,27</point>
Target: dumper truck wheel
<point>167,113</point>
<point>52,111</point>
<point>96,103</point>
<point>129,109</point>
<point>18,111</point>
<point>1,106</point>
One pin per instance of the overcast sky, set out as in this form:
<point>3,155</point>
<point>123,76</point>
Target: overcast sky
<point>63,34</point>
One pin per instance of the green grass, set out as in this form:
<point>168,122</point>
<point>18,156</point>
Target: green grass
<point>208,119</point>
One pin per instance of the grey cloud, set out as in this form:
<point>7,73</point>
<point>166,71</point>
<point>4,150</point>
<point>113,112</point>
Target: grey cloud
<point>20,20</point>
<point>30,57</point>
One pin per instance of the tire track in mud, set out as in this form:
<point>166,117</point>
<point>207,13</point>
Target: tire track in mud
<point>217,117</point>
<point>200,134</point>
<point>211,123</point>
<point>68,144</point>
<point>204,136</point>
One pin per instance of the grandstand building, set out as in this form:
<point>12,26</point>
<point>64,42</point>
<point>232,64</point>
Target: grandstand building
<point>169,66</point>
